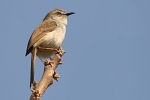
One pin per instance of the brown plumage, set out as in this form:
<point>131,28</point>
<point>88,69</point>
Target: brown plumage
<point>49,34</point>
<point>39,32</point>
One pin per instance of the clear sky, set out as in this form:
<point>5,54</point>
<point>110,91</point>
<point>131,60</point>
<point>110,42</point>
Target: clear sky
<point>107,49</point>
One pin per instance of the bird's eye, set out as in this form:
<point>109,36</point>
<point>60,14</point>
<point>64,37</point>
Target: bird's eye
<point>58,13</point>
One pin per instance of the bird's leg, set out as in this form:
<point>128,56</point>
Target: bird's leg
<point>53,49</point>
<point>58,51</point>
<point>46,61</point>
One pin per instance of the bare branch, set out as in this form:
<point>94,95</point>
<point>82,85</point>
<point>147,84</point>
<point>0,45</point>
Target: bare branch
<point>47,78</point>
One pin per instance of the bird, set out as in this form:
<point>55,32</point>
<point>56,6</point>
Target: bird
<point>47,38</point>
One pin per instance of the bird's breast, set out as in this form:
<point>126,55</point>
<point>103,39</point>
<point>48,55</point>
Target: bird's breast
<point>53,39</point>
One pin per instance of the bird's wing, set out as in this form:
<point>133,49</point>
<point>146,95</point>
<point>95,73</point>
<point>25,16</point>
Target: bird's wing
<point>39,32</point>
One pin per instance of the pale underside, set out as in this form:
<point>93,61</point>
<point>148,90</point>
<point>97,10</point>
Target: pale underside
<point>52,39</point>
<point>47,35</point>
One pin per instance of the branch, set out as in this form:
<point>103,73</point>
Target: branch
<point>47,78</point>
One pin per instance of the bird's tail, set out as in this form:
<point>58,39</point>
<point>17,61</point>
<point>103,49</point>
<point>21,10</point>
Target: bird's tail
<point>33,59</point>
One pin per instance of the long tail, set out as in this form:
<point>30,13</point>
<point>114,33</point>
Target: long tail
<point>33,59</point>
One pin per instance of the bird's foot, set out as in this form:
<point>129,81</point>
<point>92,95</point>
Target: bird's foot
<point>60,51</point>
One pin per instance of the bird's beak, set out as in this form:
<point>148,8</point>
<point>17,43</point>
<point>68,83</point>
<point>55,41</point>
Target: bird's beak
<point>70,13</point>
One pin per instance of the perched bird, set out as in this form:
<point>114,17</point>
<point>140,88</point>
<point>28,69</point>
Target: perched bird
<point>47,37</point>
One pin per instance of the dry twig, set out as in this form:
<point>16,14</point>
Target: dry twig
<point>47,78</point>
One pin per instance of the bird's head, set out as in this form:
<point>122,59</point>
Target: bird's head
<point>58,15</point>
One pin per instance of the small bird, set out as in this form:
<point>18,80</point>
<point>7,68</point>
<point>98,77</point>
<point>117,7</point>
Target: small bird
<point>47,38</point>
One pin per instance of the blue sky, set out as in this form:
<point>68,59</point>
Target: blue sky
<point>107,49</point>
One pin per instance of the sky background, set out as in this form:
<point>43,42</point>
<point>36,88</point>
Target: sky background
<point>107,48</point>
